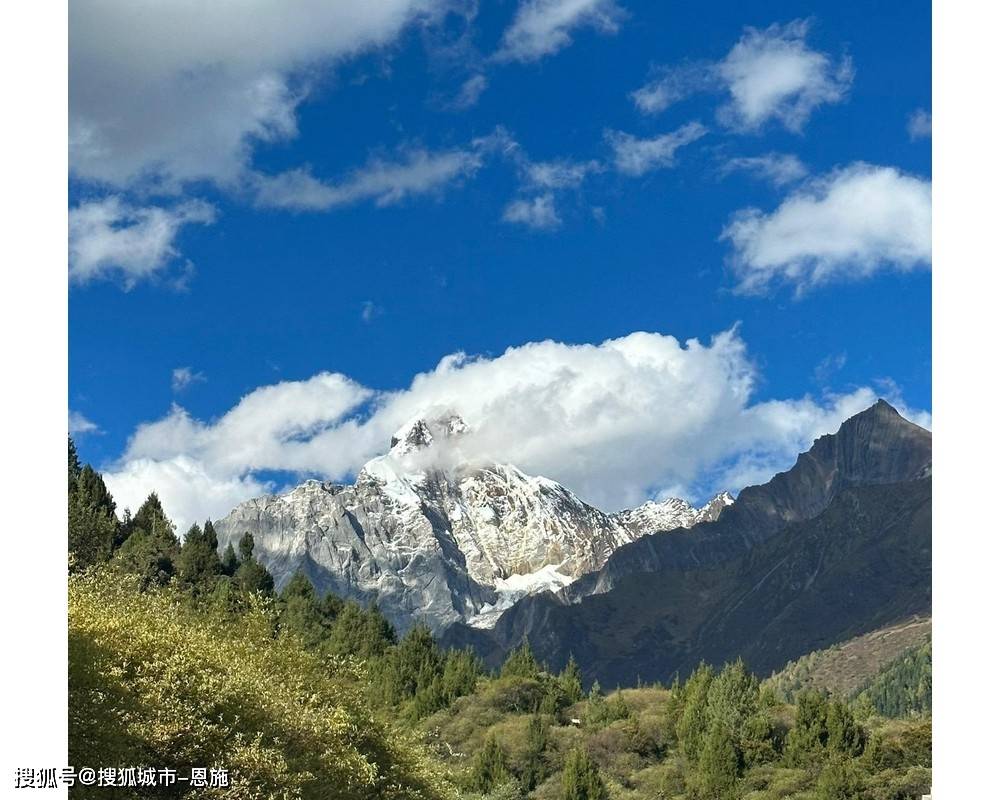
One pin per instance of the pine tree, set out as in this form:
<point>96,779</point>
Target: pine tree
<point>198,565</point>
<point>571,682</point>
<point>841,779</point>
<point>230,562</point>
<point>92,525</point>
<point>251,575</point>
<point>521,663</point>
<point>582,779</point>
<point>149,548</point>
<point>299,611</point>
<point>807,738</point>
<point>364,633</point>
<point>718,763</point>
<point>618,708</point>
<point>534,769</point>
<point>461,673</point>
<point>693,723</point>
<point>596,713</point>
<point>74,464</point>
<point>489,767</point>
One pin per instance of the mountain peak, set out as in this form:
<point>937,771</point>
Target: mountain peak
<point>422,431</point>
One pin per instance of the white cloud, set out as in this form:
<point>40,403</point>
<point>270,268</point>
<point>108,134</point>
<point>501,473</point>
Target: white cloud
<point>845,225</point>
<point>918,124</point>
<point>110,237</point>
<point>769,74</point>
<point>542,27</point>
<point>183,377</point>
<point>634,156</point>
<point>670,85</point>
<point>384,182</point>
<point>415,171</point>
<point>777,168</point>
<point>772,74</point>
<point>79,425</point>
<point>616,422</point>
<point>169,93</point>
<point>558,174</point>
<point>470,92</point>
<point>535,212</point>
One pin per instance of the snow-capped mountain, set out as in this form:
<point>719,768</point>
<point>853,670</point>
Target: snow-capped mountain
<point>441,544</point>
<point>666,515</point>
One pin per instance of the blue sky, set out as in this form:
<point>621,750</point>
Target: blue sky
<point>258,207</point>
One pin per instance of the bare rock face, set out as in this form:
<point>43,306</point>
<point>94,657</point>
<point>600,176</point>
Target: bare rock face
<point>441,545</point>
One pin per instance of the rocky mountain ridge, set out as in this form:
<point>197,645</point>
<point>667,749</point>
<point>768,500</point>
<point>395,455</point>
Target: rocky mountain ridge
<point>442,544</point>
<point>837,546</point>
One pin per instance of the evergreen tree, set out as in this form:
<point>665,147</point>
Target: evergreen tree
<point>582,779</point>
<point>534,769</point>
<point>149,548</point>
<point>299,611</point>
<point>823,727</point>
<point>246,547</point>
<point>74,464</point>
<point>718,763</point>
<point>521,663</point>
<point>735,700</point>
<point>618,708</point>
<point>251,575</point>
<point>489,767</point>
<point>360,632</point>
<point>230,562</point>
<point>461,673</point>
<point>596,713</point>
<point>571,682</point>
<point>198,565</point>
<point>841,779</point>
<point>903,687</point>
<point>412,666</point>
<point>693,723</point>
<point>92,524</point>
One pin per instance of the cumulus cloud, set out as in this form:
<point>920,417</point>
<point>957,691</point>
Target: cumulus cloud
<point>79,425</point>
<point>634,156</point>
<point>779,169</point>
<point>110,237</point>
<point>169,93</point>
<point>542,27</point>
<point>616,421</point>
<point>535,212</point>
<point>918,124</point>
<point>769,74</point>
<point>184,377</point>
<point>845,225</point>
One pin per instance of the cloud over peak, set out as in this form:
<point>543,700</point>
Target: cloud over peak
<point>615,421</point>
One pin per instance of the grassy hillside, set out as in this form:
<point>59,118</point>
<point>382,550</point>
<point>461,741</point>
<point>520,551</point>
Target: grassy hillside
<point>846,668</point>
<point>154,682</point>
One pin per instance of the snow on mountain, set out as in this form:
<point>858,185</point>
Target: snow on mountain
<point>434,538</point>
<point>671,513</point>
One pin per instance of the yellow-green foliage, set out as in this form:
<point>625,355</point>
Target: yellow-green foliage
<point>155,683</point>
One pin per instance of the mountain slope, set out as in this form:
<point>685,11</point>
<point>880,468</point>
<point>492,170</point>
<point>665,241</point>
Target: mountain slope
<point>441,544</point>
<point>836,546</point>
